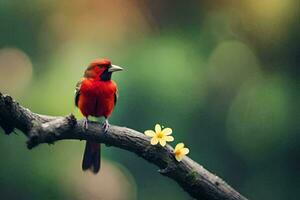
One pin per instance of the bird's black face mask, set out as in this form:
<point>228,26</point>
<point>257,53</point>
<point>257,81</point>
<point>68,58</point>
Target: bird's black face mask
<point>106,75</point>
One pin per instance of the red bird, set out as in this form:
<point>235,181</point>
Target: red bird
<point>96,95</point>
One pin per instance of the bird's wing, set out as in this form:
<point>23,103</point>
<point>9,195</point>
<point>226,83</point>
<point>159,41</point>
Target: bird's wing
<point>116,97</point>
<point>77,91</point>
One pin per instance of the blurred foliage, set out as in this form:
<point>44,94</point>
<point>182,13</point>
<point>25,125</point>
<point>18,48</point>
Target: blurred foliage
<point>223,74</point>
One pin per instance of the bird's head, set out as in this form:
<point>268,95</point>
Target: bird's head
<point>102,69</point>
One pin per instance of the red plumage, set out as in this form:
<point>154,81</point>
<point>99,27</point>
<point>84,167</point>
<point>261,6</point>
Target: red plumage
<point>97,98</point>
<point>96,95</point>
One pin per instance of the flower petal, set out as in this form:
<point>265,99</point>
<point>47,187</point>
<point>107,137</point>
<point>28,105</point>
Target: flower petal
<point>149,133</point>
<point>185,151</point>
<point>179,157</point>
<point>154,141</point>
<point>169,138</point>
<point>162,142</point>
<point>167,131</point>
<point>157,128</point>
<point>179,146</point>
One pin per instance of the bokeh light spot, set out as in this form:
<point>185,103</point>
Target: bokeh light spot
<point>113,182</point>
<point>258,117</point>
<point>15,71</point>
<point>231,63</point>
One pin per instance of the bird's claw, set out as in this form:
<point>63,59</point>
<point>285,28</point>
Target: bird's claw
<point>105,126</point>
<point>85,124</point>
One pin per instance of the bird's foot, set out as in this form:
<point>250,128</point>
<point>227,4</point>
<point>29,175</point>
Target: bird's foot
<point>105,126</point>
<point>85,124</point>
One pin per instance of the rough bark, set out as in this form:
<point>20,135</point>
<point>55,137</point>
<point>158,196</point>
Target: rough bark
<point>191,176</point>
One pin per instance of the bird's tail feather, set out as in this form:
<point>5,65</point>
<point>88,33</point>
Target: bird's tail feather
<point>92,157</point>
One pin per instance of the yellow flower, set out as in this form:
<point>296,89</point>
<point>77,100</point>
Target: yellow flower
<point>160,136</point>
<point>180,151</point>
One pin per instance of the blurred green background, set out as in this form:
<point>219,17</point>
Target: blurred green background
<point>224,75</point>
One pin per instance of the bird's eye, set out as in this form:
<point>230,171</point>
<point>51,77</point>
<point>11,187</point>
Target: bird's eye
<point>100,66</point>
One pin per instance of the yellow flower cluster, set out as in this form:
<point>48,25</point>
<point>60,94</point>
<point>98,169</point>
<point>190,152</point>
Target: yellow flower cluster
<point>162,136</point>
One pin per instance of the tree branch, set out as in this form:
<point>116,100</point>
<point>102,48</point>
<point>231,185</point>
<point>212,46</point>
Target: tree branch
<point>192,177</point>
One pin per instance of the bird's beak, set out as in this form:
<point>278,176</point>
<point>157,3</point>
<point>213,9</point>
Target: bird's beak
<point>114,68</point>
